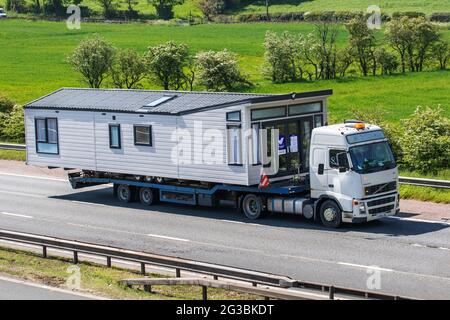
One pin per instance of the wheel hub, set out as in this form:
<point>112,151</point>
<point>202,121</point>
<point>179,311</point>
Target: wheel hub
<point>329,214</point>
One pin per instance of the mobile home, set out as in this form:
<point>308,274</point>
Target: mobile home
<point>138,132</point>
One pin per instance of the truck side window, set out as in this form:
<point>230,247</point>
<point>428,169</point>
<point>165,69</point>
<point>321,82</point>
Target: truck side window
<point>334,163</point>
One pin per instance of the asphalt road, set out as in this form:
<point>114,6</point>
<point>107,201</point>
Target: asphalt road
<point>11,289</point>
<point>409,258</point>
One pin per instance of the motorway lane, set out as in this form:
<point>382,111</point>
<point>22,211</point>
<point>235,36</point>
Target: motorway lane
<point>413,258</point>
<point>12,289</point>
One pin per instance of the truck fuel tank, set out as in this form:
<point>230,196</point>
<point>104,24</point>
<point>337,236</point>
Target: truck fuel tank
<point>302,206</point>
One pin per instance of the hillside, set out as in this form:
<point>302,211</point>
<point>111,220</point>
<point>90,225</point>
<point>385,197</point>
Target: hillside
<point>257,6</point>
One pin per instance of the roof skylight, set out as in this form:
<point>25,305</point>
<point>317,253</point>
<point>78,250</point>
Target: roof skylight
<point>159,101</point>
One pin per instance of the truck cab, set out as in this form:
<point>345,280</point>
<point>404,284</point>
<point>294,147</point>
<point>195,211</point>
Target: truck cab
<point>353,173</point>
<point>2,13</point>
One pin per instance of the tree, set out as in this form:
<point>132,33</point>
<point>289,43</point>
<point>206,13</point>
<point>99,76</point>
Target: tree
<point>93,58</point>
<point>128,70</point>
<point>218,71</point>
<point>386,60</point>
<point>164,8</point>
<point>400,35</point>
<point>211,8</point>
<point>344,59</point>
<point>426,140</point>
<point>326,34</point>
<point>441,52</point>
<point>166,63</point>
<point>281,56</point>
<point>425,34</point>
<point>363,40</point>
<point>109,7</point>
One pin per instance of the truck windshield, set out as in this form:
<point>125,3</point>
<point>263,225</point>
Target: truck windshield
<point>372,157</point>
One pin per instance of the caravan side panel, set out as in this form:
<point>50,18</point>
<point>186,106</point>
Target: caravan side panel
<point>155,160</point>
<point>75,139</point>
<point>198,164</point>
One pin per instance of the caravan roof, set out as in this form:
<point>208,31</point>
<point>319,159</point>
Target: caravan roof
<point>151,101</point>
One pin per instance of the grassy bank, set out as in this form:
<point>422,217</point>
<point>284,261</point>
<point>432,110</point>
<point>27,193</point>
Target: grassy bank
<point>98,280</point>
<point>33,63</point>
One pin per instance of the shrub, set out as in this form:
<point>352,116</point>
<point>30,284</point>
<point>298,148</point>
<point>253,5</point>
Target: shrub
<point>408,14</point>
<point>6,105</point>
<point>13,128</point>
<point>426,140</point>
<point>219,71</point>
<point>440,17</point>
<point>164,8</point>
<point>441,52</point>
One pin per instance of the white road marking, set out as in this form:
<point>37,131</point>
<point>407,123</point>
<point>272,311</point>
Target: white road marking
<point>168,238</point>
<point>365,267</point>
<point>421,220</point>
<point>443,248</point>
<point>89,203</point>
<point>240,222</point>
<point>32,177</point>
<point>16,215</point>
<point>24,194</point>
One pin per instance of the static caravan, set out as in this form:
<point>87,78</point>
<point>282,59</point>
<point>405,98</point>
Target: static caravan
<point>192,136</point>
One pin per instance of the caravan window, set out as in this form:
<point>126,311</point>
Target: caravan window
<point>114,136</point>
<point>143,135</point>
<point>47,135</point>
<point>234,144</point>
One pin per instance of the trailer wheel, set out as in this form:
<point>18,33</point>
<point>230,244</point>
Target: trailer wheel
<point>252,206</point>
<point>124,193</point>
<point>330,214</point>
<point>147,196</point>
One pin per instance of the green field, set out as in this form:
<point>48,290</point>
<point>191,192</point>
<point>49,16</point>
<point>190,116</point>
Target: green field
<point>33,63</point>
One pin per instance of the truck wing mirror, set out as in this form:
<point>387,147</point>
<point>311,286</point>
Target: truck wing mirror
<point>321,168</point>
<point>342,161</point>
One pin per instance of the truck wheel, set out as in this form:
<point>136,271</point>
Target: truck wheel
<point>330,214</point>
<point>147,196</point>
<point>252,206</point>
<point>124,193</point>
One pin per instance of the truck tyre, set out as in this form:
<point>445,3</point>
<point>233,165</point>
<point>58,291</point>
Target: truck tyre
<point>252,206</point>
<point>124,193</point>
<point>147,196</point>
<point>330,214</point>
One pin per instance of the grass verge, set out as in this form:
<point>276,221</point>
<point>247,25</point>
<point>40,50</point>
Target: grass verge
<point>12,155</point>
<point>99,280</point>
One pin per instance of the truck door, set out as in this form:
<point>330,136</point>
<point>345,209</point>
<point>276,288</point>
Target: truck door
<point>332,169</point>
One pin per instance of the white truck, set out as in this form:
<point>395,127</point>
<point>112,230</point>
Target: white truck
<point>2,13</point>
<point>352,178</point>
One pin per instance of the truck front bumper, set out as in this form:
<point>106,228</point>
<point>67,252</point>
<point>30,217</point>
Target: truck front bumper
<point>373,208</point>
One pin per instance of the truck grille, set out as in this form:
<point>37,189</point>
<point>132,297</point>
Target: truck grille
<point>380,188</point>
<point>381,209</point>
<point>379,202</point>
